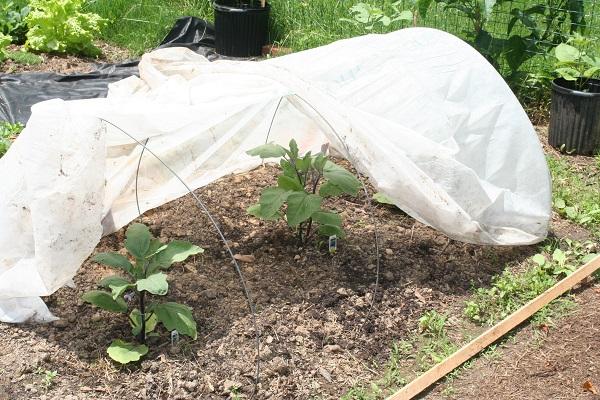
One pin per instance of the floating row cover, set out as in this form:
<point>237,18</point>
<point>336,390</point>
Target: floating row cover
<point>418,111</point>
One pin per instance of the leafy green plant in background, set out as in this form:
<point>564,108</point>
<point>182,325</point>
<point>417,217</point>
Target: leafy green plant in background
<point>5,40</point>
<point>304,183</point>
<point>143,277</point>
<point>60,26</point>
<point>8,131</point>
<point>578,60</point>
<point>12,21</point>
<point>372,17</point>
<point>545,23</point>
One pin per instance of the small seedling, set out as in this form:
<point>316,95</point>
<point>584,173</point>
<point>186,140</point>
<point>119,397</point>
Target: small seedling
<point>144,277</point>
<point>305,182</point>
<point>47,377</point>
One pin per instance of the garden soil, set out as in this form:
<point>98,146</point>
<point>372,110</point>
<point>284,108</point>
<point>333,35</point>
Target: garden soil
<point>64,63</point>
<point>319,334</point>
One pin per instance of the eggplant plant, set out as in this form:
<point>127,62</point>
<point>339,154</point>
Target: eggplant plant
<point>578,60</point>
<point>303,184</point>
<point>143,277</point>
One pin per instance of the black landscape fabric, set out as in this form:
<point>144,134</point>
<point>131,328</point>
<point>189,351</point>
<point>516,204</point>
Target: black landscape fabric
<point>18,92</point>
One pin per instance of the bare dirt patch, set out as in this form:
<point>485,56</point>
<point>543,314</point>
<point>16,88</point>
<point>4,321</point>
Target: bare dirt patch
<point>66,64</point>
<point>319,335</point>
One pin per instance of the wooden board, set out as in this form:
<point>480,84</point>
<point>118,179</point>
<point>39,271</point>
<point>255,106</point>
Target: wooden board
<point>494,333</point>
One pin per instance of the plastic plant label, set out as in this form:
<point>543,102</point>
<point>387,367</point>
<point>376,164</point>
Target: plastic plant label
<point>332,244</point>
<point>174,337</point>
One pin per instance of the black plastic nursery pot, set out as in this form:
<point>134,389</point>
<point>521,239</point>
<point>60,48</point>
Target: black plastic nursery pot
<point>241,27</point>
<point>575,117</point>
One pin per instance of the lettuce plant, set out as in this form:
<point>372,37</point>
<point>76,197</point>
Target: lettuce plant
<point>5,40</point>
<point>303,184</point>
<point>143,277</point>
<point>59,26</point>
<point>12,20</point>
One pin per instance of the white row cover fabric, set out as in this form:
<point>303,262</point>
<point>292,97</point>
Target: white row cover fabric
<point>418,111</point>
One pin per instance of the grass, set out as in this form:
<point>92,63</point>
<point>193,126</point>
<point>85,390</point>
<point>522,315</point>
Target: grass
<point>24,57</point>
<point>576,192</point>
<point>139,25</point>
<point>512,289</point>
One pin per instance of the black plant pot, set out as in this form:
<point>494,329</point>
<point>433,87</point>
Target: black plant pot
<point>575,117</point>
<point>241,27</point>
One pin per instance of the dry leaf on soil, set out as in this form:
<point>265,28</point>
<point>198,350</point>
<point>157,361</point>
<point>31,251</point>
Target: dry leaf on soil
<point>588,386</point>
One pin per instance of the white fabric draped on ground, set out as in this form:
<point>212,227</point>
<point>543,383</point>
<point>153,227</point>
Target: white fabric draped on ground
<point>418,111</point>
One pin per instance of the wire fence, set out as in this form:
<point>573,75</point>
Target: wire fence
<point>518,35</point>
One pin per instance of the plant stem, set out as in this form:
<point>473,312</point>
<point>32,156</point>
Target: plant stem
<point>308,230</point>
<point>142,336</point>
<point>314,190</point>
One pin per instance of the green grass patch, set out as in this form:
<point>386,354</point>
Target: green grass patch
<point>23,57</point>
<point>140,25</point>
<point>576,191</point>
<point>514,288</point>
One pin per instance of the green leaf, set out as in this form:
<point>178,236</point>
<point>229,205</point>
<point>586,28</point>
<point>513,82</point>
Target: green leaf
<point>271,200</point>
<point>331,230</point>
<point>115,260</point>
<point>176,317</point>
<point>327,218</point>
<point>293,149</point>
<point>176,251</point>
<point>301,206</point>
<point>256,210</point>
<point>559,203</point>
<point>567,73</point>
<point>318,162</point>
<point>113,280</point>
<point>155,284</point>
<point>423,7</point>
<point>589,257</point>
<point>590,72</point>
<point>566,53</point>
<point>135,320</point>
<point>269,150</point>
<point>303,164</point>
<point>341,178</point>
<point>155,247</point>
<point>287,183</point>
<point>516,52</point>
<point>105,301</point>
<point>124,352</point>
<point>328,189</point>
<point>137,240</point>
<point>288,170</point>
<point>382,198</point>
<point>405,15</point>
<point>571,212</point>
<point>559,256</point>
<point>539,259</point>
